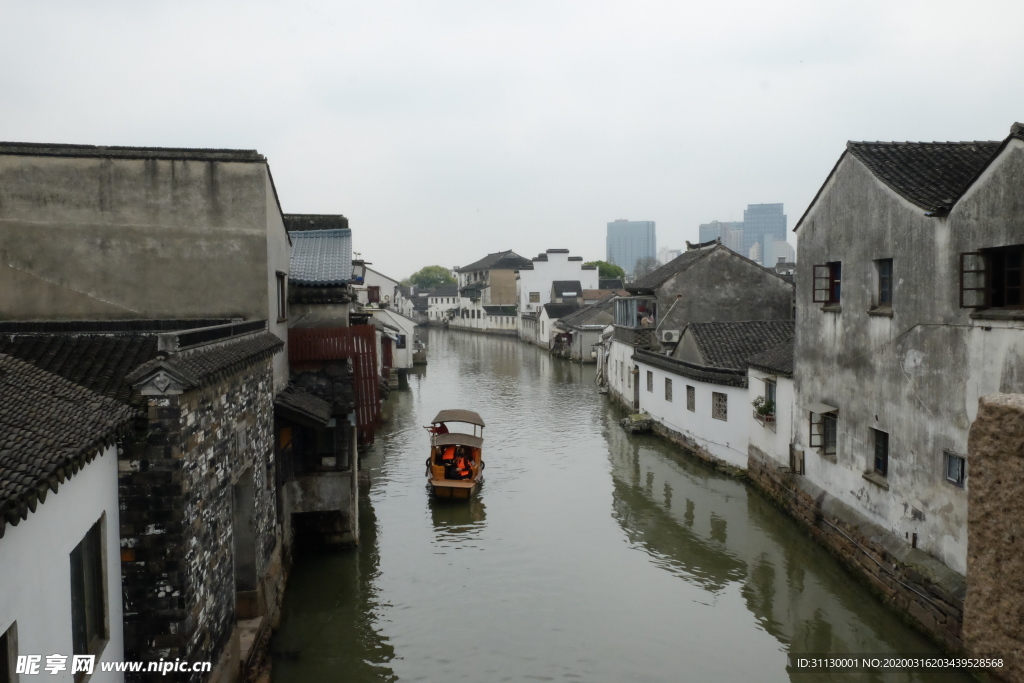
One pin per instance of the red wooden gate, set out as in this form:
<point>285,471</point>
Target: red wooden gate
<point>358,343</point>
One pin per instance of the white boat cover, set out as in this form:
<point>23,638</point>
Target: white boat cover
<point>459,416</point>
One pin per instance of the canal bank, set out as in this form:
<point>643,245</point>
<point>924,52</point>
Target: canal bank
<point>588,554</point>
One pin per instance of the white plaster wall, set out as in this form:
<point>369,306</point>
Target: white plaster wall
<point>544,273</point>
<point>402,358</point>
<point>35,567</point>
<point>438,306</point>
<point>724,439</point>
<point>620,363</point>
<point>775,444</point>
<point>374,279</point>
<point>278,260</point>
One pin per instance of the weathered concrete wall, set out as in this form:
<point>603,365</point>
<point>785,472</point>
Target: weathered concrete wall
<point>993,623</point>
<point>723,287</point>
<point>91,238</point>
<point>177,518</point>
<point>908,580</point>
<point>502,290</point>
<point>916,375</point>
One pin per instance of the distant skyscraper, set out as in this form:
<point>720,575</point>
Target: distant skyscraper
<point>665,254</point>
<point>761,221</point>
<point>630,241</point>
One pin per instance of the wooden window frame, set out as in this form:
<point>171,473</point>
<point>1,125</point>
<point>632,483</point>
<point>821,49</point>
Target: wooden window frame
<point>650,382</point>
<point>373,294</point>
<point>818,436</point>
<point>883,292</point>
<point>828,279</point>
<point>668,389</point>
<point>880,461</point>
<point>960,480</point>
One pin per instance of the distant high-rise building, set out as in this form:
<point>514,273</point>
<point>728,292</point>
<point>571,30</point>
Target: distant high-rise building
<point>630,241</point>
<point>761,224</point>
<point>665,255</point>
<point>761,221</point>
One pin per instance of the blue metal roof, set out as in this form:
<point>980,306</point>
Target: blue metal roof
<point>321,257</point>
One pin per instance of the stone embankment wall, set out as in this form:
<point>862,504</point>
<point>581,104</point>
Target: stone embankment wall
<point>994,613</point>
<point>927,592</point>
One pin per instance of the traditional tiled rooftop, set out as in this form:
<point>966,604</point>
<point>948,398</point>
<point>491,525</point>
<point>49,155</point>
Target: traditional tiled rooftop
<point>49,429</point>
<point>321,257</point>
<point>502,260</point>
<point>778,360</point>
<point>557,311</point>
<point>595,314</point>
<point>931,175</point>
<point>567,288</point>
<point>728,345</point>
<point>676,265</point>
<point>298,400</point>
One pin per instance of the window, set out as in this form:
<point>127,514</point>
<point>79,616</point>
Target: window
<point>719,406</point>
<point>770,392</point>
<point>691,399</point>
<point>534,297</point>
<point>88,605</point>
<point>992,278</point>
<point>8,653</point>
<point>400,342</point>
<point>823,430</point>
<point>373,294</point>
<point>956,469</point>
<point>883,267</point>
<point>827,279</point>
<point>282,296</point>
<point>881,453</point>
<point>650,381</point>
<point>668,389</point>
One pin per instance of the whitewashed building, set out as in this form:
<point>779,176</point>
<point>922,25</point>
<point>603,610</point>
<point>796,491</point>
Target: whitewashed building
<point>60,591</point>
<point>442,302</point>
<point>536,278</point>
<point>699,393</point>
<point>909,296</point>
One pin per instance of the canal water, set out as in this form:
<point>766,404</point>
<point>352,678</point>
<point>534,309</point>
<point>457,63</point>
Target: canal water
<point>589,554</point>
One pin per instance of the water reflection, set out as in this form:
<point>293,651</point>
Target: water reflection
<point>590,554</point>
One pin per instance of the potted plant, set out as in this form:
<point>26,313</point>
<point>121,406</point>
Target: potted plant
<point>764,409</point>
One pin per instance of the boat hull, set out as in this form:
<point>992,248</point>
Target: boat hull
<point>448,488</point>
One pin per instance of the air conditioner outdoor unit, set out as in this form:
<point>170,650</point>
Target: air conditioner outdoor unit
<point>668,336</point>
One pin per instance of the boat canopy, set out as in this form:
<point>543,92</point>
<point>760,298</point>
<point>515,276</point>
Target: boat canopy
<point>459,416</point>
<point>455,439</point>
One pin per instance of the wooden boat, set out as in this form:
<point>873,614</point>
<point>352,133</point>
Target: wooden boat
<point>455,466</point>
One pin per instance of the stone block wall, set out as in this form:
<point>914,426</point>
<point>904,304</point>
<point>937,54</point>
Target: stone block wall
<point>994,612</point>
<point>926,592</point>
<point>176,485</point>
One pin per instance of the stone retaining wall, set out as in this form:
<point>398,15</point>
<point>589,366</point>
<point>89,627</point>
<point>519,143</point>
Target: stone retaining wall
<point>918,586</point>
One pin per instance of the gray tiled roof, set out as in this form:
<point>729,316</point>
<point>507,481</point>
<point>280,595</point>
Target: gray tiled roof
<point>931,175</point>
<point>184,153</point>
<point>206,364</point>
<point>777,360</point>
<point>729,378</point>
<point>502,260</point>
<point>296,222</point>
<point>445,290</point>
<point>321,257</point>
<point>98,362</point>
<point>563,287</point>
<point>500,310</point>
<point>298,400</point>
<point>595,314</point>
<point>558,311</point>
<point>728,345</point>
<point>49,429</point>
<point>609,283</point>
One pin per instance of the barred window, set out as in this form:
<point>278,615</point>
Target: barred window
<point>668,389</point>
<point>691,399</point>
<point>650,381</point>
<point>719,406</point>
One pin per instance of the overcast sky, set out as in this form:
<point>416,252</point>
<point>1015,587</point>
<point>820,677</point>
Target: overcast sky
<point>445,130</point>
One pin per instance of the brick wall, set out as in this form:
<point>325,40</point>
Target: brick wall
<point>177,486</point>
